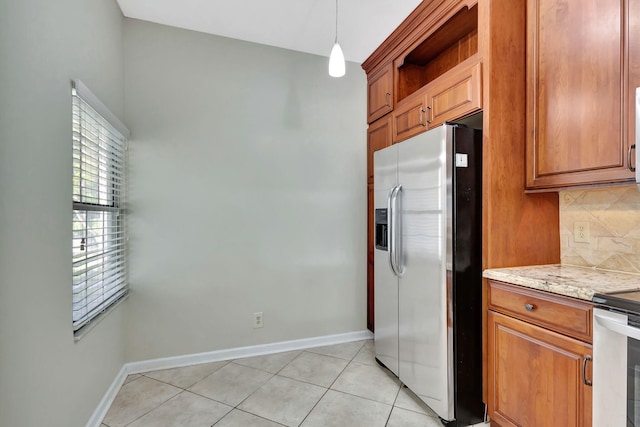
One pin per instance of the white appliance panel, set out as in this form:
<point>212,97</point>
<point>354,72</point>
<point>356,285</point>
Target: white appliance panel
<point>609,371</point>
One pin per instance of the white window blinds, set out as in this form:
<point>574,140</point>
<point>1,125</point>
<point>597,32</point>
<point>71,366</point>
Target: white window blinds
<point>99,183</point>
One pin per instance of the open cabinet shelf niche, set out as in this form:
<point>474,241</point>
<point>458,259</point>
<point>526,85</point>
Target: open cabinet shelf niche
<point>453,42</point>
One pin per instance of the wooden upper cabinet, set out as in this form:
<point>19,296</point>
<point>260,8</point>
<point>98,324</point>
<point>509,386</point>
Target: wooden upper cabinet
<point>579,57</point>
<point>410,117</point>
<point>456,94</point>
<point>380,93</point>
<point>378,137</point>
<point>449,97</point>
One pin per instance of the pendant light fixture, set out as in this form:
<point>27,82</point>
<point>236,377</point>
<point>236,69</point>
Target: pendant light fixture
<point>336,59</point>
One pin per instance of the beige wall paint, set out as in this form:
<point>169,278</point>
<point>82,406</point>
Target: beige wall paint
<point>247,193</point>
<point>47,379</point>
<point>613,215</point>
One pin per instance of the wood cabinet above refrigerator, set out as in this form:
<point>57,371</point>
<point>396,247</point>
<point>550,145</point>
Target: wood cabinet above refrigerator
<point>482,41</point>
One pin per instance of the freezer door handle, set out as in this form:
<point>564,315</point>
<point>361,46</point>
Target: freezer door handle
<point>395,237</point>
<point>390,244</point>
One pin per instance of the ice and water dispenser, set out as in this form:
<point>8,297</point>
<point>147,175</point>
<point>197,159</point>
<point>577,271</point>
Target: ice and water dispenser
<point>381,224</point>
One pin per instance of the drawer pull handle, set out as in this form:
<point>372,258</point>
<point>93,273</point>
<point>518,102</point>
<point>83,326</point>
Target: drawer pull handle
<point>587,358</point>
<point>422,110</point>
<point>529,307</point>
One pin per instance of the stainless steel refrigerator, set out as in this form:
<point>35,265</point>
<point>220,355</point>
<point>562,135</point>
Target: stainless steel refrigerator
<point>427,268</point>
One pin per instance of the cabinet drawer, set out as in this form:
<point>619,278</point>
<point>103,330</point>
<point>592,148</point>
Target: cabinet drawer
<point>561,314</point>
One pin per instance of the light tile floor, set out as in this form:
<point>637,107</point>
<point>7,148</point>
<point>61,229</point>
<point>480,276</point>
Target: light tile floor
<point>339,385</point>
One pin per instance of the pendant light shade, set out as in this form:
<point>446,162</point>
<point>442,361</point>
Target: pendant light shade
<point>336,59</point>
<point>336,62</point>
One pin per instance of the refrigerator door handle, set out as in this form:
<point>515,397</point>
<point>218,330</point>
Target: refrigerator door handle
<point>390,233</point>
<point>397,232</point>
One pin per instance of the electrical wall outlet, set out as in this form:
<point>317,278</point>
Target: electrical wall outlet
<point>258,320</point>
<point>581,232</point>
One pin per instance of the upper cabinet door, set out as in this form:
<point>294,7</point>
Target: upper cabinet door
<point>379,136</point>
<point>456,94</point>
<point>380,93</point>
<point>577,93</point>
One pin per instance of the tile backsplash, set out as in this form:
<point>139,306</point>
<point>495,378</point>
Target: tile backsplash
<point>608,220</point>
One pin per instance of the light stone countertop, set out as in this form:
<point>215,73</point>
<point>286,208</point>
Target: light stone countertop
<point>568,280</point>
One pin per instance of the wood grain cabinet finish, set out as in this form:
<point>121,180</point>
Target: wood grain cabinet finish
<point>380,93</point>
<point>456,94</point>
<point>451,96</point>
<point>431,43</point>
<point>538,376</point>
<point>410,117</point>
<point>378,137</point>
<point>582,70</point>
<point>568,316</point>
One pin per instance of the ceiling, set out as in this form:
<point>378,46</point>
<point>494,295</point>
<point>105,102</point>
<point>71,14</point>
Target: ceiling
<point>302,25</point>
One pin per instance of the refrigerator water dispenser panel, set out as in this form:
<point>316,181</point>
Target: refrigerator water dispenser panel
<point>381,229</point>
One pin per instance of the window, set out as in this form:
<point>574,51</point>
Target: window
<point>99,183</point>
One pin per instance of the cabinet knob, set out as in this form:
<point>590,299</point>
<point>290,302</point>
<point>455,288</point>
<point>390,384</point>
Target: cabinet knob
<point>387,96</point>
<point>529,307</point>
<point>631,168</point>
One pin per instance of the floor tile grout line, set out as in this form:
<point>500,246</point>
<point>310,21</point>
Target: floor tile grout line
<point>253,392</point>
<point>394,405</point>
<point>209,398</point>
<point>153,409</point>
<point>328,388</point>
<point>326,391</point>
<point>249,413</point>
<point>314,407</point>
<point>290,362</point>
<point>229,361</point>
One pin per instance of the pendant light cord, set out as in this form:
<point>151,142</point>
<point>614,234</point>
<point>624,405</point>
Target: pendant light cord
<point>336,41</point>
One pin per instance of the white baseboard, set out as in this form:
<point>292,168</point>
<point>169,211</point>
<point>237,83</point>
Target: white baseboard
<point>215,356</point>
<point>107,399</point>
<point>238,352</point>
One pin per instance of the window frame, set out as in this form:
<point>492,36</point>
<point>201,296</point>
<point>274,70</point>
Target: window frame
<point>99,235</point>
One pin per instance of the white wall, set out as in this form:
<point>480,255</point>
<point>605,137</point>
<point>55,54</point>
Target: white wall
<point>47,379</point>
<point>247,193</point>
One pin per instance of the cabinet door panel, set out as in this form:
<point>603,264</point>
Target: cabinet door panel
<point>536,376</point>
<point>380,93</point>
<point>410,117</point>
<point>378,137</point>
<point>576,92</point>
<point>456,95</point>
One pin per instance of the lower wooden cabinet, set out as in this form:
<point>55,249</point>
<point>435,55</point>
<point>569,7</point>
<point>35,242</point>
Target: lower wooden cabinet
<point>537,377</point>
